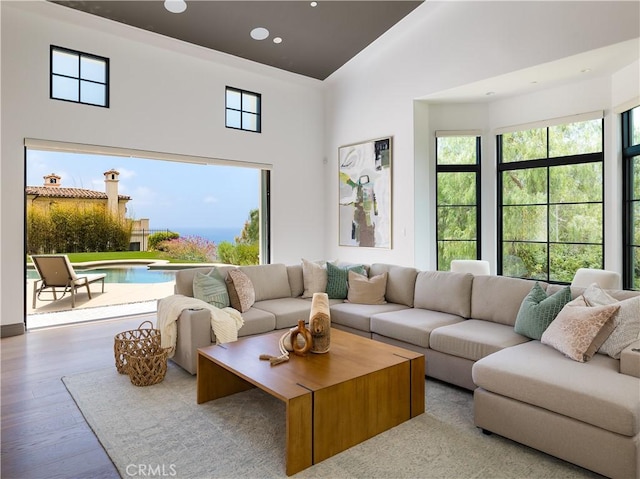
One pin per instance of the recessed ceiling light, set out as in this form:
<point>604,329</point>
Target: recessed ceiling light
<point>277,40</point>
<point>259,33</point>
<point>489,93</point>
<point>175,6</point>
<point>585,70</point>
<point>314,4</point>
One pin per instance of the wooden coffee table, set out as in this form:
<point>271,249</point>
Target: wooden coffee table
<point>334,401</point>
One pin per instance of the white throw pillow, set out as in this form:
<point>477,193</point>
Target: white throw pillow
<point>626,322</point>
<point>314,277</point>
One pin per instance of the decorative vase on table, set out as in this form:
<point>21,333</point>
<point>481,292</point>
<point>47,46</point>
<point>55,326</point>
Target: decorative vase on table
<point>301,330</point>
<point>320,323</point>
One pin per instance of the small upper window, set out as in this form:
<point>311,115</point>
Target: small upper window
<point>79,77</point>
<point>243,110</point>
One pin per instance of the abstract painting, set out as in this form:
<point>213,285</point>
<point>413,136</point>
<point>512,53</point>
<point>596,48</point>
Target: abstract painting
<point>365,194</point>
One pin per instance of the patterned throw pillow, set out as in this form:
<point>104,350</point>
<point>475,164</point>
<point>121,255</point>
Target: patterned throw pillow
<point>211,288</point>
<point>241,292</point>
<point>338,279</point>
<point>365,290</point>
<point>576,331</point>
<point>626,323</point>
<point>314,276</point>
<point>538,310</point>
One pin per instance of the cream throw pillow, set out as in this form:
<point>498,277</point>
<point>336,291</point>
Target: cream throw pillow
<point>626,322</point>
<point>365,290</point>
<point>579,330</point>
<point>314,277</point>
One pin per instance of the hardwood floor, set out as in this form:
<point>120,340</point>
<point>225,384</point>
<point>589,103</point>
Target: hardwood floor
<point>43,433</point>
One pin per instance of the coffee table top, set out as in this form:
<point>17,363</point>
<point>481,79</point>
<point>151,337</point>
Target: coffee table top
<point>350,356</point>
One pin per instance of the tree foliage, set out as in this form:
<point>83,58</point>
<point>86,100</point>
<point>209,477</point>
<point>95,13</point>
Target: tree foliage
<point>155,239</point>
<point>73,228</point>
<point>246,249</point>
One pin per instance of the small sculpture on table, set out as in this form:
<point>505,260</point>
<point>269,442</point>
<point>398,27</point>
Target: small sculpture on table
<point>320,323</point>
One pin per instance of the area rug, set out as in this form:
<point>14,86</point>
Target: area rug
<point>160,431</point>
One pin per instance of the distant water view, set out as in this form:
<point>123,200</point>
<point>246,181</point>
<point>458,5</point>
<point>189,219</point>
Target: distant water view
<point>217,235</point>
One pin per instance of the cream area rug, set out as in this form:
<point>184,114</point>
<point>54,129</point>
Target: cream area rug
<point>162,430</point>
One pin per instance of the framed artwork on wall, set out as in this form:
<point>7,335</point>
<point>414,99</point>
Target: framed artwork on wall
<point>365,194</point>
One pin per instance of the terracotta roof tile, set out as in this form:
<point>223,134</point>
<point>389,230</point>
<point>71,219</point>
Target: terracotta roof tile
<point>58,192</point>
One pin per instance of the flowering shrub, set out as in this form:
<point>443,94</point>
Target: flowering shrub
<point>189,248</point>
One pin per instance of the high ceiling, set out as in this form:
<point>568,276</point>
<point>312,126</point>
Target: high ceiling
<point>316,41</point>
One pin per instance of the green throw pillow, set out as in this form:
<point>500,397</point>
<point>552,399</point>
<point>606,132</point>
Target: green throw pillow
<point>211,288</point>
<point>538,310</point>
<point>338,279</point>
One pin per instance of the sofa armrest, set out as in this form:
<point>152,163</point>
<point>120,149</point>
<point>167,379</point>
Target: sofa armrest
<point>630,359</point>
<point>194,331</point>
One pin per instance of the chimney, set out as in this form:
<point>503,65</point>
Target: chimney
<point>111,188</point>
<point>52,180</point>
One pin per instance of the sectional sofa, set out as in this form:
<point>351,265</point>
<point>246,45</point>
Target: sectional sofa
<point>587,413</point>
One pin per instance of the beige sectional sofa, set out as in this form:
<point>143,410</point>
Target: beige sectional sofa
<point>585,413</point>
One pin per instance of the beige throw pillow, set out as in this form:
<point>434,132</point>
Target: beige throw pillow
<point>626,322</point>
<point>241,292</point>
<point>314,276</point>
<point>365,290</point>
<point>579,330</point>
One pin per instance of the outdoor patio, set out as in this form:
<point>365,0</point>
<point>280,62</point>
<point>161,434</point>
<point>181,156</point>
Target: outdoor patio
<point>116,301</point>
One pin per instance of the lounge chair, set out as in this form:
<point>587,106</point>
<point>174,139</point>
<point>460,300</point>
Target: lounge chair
<point>55,271</point>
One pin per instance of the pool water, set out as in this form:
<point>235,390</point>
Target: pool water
<point>123,274</point>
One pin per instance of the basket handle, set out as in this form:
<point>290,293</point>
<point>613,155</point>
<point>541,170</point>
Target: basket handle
<point>145,322</point>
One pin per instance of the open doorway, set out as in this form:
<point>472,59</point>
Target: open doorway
<point>206,204</point>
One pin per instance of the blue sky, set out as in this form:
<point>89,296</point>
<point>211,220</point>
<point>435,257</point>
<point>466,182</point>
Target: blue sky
<point>171,194</point>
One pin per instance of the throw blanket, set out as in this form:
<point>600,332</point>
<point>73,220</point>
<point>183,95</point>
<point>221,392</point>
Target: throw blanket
<point>225,322</point>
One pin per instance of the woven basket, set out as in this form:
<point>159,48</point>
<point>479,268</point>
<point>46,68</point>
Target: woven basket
<point>147,366</point>
<point>135,339</point>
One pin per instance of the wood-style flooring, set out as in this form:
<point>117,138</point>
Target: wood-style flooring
<point>43,433</point>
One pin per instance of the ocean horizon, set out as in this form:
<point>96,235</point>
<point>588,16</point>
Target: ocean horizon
<point>217,235</point>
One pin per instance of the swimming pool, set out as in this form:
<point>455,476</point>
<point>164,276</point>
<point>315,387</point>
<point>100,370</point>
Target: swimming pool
<point>123,274</point>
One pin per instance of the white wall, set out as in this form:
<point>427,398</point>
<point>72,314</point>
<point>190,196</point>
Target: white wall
<point>165,96</point>
<point>443,45</point>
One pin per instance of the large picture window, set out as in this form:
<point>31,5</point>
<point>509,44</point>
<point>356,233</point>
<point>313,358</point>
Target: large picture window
<point>79,77</point>
<point>243,110</point>
<point>631,198</point>
<point>458,198</point>
<point>550,187</point>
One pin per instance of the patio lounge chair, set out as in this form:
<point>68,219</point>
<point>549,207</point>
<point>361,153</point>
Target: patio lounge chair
<point>56,272</point>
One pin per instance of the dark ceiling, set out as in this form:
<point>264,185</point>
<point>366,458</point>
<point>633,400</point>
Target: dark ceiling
<point>316,41</point>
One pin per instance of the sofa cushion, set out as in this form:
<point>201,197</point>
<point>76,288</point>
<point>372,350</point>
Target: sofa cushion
<point>358,316</point>
<point>538,310</point>
<point>593,392</point>
<point>579,330</point>
<point>241,292</point>
<point>498,298</point>
<point>338,279</point>
<point>286,310</point>
<point>444,291</point>
<point>314,276</point>
<point>184,278</point>
<point>474,339</point>
<point>256,321</point>
<point>296,281</point>
<point>626,322</point>
<point>363,290</point>
<point>270,281</point>
<point>411,325</point>
<point>211,288</point>
<point>401,281</point>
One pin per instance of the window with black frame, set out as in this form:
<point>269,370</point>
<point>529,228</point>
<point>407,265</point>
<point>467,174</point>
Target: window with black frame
<point>79,77</point>
<point>243,110</point>
<point>458,198</point>
<point>550,201</point>
<point>631,198</point>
